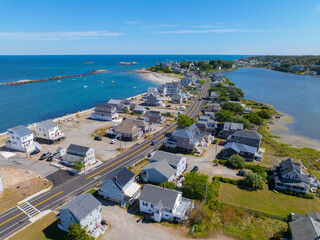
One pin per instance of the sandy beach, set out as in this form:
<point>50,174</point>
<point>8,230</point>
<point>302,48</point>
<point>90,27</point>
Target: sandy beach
<point>155,77</point>
<point>279,128</point>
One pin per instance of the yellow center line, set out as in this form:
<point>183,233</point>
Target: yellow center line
<point>138,149</point>
<point>48,199</point>
<point>12,218</point>
<point>34,206</point>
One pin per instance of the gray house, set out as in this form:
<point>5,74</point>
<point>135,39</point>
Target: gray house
<point>173,88</point>
<point>77,153</point>
<point>182,139</point>
<point>176,98</point>
<point>305,227</point>
<point>229,128</point>
<point>153,99</point>
<point>84,210</point>
<point>105,112</point>
<point>120,186</point>
<point>288,176</point>
<point>249,153</point>
<point>246,137</point>
<point>213,107</point>
<point>163,167</point>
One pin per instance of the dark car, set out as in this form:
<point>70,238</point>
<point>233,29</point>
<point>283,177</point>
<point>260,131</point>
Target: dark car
<point>149,155</point>
<point>154,142</point>
<point>214,142</point>
<point>242,173</point>
<point>195,169</point>
<point>97,138</point>
<point>35,152</point>
<point>50,158</point>
<point>221,143</point>
<point>45,155</point>
<point>168,134</point>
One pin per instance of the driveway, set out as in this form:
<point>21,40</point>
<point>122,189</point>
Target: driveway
<point>124,226</point>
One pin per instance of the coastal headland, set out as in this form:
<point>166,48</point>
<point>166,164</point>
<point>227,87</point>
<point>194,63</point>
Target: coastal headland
<point>160,78</point>
<point>53,78</point>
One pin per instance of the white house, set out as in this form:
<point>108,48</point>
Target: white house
<point>120,186</point>
<point>21,139</point>
<point>163,203</point>
<point>105,112</point>
<point>163,167</point>
<point>76,153</point>
<point>84,210</point>
<point>48,130</point>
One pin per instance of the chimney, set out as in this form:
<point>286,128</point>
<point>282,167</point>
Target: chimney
<point>116,178</point>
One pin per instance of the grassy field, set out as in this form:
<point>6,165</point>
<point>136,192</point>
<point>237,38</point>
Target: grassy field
<point>266,201</point>
<point>137,168</point>
<point>44,229</point>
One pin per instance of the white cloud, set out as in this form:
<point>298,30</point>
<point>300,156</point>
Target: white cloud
<point>57,35</point>
<point>317,8</point>
<point>221,30</point>
<point>131,22</point>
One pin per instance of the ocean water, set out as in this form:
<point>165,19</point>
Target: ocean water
<point>29,103</point>
<point>295,95</point>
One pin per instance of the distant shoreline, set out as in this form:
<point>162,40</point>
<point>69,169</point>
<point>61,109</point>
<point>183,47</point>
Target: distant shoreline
<point>160,78</point>
<point>52,78</point>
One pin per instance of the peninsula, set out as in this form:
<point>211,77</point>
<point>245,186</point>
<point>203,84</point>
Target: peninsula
<point>53,78</point>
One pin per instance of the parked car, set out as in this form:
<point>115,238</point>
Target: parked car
<point>113,141</point>
<point>242,173</point>
<point>168,134</point>
<point>35,152</point>
<point>149,155</point>
<point>50,158</point>
<point>214,142</point>
<point>154,142</point>
<point>195,169</point>
<point>168,106</point>
<point>221,143</point>
<point>45,155</point>
<point>97,138</point>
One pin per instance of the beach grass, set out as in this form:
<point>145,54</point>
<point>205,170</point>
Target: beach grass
<point>266,201</point>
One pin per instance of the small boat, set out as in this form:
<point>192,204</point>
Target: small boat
<point>58,81</point>
<point>112,81</point>
<point>85,86</point>
<point>134,87</point>
<point>101,81</point>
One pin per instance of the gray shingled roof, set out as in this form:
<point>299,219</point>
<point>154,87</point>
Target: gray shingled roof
<point>123,175</point>
<point>21,130</point>
<point>156,194</point>
<point>314,215</point>
<point>162,167</point>
<point>239,147</point>
<point>288,166</point>
<point>82,150</point>
<point>114,101</point>
<point>232,126</point>
<point>48,124</point>
<point>305,229</point>
<point>172,159</point>
<point>248,134</point>
<point>82,205</point>
<point>183,133</point>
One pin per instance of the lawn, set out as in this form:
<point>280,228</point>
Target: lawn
<point>137,168</point>
<point>266,201</point>
<point>44,229</point>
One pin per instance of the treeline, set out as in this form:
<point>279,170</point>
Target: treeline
<point>161,69</point>
<point>207,66</point>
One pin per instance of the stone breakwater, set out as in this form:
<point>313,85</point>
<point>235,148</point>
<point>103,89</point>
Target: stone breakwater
<point>53,78</point>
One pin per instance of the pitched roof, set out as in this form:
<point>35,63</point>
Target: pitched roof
<point>131,125</point>
<point>77,148</point>
<point>183,133</point>
<point>154,113</point>
<point>121,176</point>
<point>155,194</point>
<point>105,105</point>
<point>288,165</point>
<point>162,167</point>
<point>172,159</point>
<point>48,124</point>
<point>114,101</point>
<point>305,229</point>
<point>82,205</point>
<point>21,130</point>
<point>239,147</point>
<point>232,126</point>
<point>248,134</point>
<point>314,215</point>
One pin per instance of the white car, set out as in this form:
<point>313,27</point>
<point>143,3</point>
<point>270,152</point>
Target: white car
<point>113,141</point>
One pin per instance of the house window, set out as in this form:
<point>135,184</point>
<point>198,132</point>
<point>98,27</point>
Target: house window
<point>145,204</point>
<point>157,211</point>
<point>151,205</point>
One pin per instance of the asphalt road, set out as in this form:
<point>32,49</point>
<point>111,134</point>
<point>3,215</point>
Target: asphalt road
<point>14,219</point>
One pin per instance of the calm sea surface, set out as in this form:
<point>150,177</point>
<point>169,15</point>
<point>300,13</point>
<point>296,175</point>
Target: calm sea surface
<point>295,95</point>
<point>29,103</point>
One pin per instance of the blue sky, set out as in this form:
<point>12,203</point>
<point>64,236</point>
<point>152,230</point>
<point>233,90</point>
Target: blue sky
<point>159,27</point>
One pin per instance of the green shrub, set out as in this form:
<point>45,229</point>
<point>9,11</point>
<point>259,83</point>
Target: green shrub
<point>253,180</point>
<point>236,161</point>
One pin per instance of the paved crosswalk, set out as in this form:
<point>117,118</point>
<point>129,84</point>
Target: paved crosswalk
<point>28,209</point>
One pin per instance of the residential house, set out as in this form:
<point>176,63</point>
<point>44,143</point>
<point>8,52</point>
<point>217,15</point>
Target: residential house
<point>188,80</point>
<point>229,128</point>
<point>214,96</point>
<point>182,139</point>
<point>122,105</point>
<point>173,88</point>
<point>84,210</point>
<point>213,107</point>
<point>130,129</point>
<point>153,99</point>
<point>288,176</point>
<point>162,90</point>
<point>120,186</point>
<point>176,98</point>
<point>48,130</point>
<point>21,139</point>
<point>305,227</point>
<point>163,203</point>
<point>152,90</point>
<point>206,123</point>
<point>154,117</point>
<point>163,167</point>
<point>209,114</point>
<point>249,153</point>
<point>140,110</point>
<point>204,137</point>
<point>246,137</point>
<point>105,112</point>
<point>299,68</point>
<point>76,153</point>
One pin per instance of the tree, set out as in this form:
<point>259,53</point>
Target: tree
<point>224,116</point>
<point>194,186</point>
<point>254,118</point>
<point>238,119</point>
<point>236,94</point>
<point>253,180</point>
<point>232,107</point>
<point>78,165</point>
<point>237,161</point>
<point>76,232</point>
<point>265,114</point>
<point>169,185</point>
<point>185,121</point>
